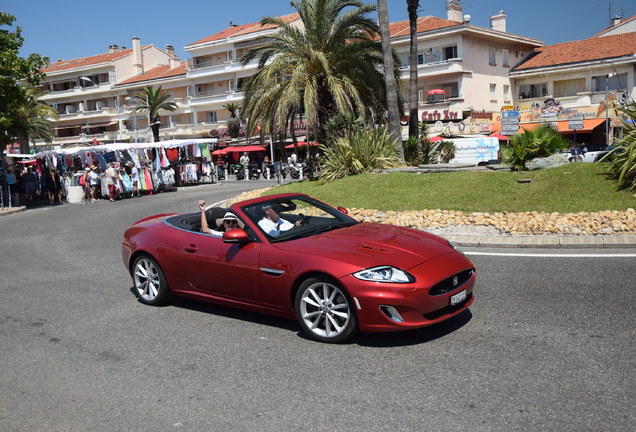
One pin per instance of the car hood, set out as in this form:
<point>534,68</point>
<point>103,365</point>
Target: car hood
<point>371,244</point>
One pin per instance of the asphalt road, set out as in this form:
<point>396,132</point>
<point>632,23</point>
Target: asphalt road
<point>547,346</point>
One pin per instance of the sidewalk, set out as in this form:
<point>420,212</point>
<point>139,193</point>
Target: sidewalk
<point>12,210</point>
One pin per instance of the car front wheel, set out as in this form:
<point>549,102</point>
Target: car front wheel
<point>150,283</point>
<point>324,311</point>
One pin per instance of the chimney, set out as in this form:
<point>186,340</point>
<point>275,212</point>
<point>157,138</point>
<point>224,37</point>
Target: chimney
<point>454,11</point>
<point>615,21</point>
<point>498,22</point>
<point>112,49</point>
<point>138,62</point>
<point>170,50</point>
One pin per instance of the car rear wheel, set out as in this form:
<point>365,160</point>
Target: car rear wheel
<point>150,283</point>
<point>324,311</point>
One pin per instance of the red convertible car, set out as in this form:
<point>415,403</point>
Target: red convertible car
<point>294,256</point>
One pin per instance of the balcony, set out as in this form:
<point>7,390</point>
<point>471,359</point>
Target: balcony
<point>215,68</point>
<point>454,65</point>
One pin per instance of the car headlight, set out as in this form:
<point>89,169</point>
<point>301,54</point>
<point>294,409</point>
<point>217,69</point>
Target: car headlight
<point>384,274</point>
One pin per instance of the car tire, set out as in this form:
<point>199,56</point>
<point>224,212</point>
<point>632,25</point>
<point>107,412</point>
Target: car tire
<point>324,311</point>
<point>150,282</point>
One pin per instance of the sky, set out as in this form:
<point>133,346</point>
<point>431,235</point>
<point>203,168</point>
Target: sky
<point>68,29</point>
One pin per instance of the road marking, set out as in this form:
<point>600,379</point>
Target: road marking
<point>552,255</point>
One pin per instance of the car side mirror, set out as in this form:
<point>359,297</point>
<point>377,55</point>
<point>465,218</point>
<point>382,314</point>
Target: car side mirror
<point>236,235</point>
<point>344,210</point>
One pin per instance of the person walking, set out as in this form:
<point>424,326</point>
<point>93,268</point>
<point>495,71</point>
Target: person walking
<point>94,181</point>
<point>110,176</point>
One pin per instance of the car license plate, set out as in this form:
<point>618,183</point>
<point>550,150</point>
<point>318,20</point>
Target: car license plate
<point>458,298</point>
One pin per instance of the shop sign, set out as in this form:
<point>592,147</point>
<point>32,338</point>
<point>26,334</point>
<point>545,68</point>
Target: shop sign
<point>437,115</point>
<point>481,115</point>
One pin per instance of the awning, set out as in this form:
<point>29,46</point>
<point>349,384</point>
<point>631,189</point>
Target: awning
<point>563,126</point>
<point>301,144</point>
<point>240,149</point>
<point>90,126</point>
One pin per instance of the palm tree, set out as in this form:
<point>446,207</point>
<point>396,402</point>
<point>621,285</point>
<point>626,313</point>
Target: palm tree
<point>390,81</point>
<point>329,66</point>
<point>412,6</point>
<point>234,122</point>
<point>151,100</point>
<point>33,118</point>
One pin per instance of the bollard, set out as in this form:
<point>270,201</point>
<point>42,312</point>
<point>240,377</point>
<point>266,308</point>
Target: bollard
<point>300,170</point>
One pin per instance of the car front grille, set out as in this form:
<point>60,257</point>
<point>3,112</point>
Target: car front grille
<point>452,283</point>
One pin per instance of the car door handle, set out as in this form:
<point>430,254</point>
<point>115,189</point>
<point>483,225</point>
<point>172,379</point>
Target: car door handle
<point>191,248</point>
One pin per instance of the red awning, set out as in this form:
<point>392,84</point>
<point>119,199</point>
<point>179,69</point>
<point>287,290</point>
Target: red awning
<point>499,137</point>
<point>435,92</point>
<point>301,144</point>
<point>437,138</point>
<point>241,149</point>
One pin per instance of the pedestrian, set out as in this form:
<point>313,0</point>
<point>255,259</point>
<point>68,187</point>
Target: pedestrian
<point>110,176</point>
<point>84,182</point>
<point>94,182</point>
<point>30,184</point>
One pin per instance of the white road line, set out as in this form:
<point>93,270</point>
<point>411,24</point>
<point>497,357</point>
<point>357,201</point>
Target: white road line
<point>552,255</point>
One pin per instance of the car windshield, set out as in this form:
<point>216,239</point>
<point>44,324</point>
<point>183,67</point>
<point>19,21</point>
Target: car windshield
<point>295,217</point>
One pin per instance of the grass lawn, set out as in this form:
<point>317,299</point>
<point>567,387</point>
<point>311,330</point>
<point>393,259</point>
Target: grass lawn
<point>572,188</point>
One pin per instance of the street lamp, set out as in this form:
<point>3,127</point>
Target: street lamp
<point>609,75</point>
<point>128,99</point>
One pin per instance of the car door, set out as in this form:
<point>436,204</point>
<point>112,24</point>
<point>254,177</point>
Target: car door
<point>212,267</point>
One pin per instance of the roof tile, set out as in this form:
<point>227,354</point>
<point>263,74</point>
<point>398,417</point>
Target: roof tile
<point>163,71</point>
<point>582,50</point>
<point>61,65</point>
<point>239,30</point>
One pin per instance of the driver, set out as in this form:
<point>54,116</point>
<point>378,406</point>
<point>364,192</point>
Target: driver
<point>273,224</point>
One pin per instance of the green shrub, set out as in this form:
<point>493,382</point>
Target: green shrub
<point>540,142</point>
<point>622,166</point>
<point>357,152</point>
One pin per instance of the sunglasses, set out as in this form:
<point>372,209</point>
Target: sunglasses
<point>231,221</point>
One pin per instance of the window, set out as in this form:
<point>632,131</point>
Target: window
<point>505,61</point>
<point>493,92</point>
<point>420,59</point>
<point>212,117</point>
<point>450,52</point>
<point>615,82</point>
<point>569,87</point>
<point>506,93</point>
<point>533,90</point>
<point>451,90</point>
<point>492,57</point>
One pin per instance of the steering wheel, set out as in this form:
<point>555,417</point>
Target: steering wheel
<point>304,220</point>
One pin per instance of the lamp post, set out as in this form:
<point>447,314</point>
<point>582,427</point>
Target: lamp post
<point>128,99</point>
<point>609,75</point>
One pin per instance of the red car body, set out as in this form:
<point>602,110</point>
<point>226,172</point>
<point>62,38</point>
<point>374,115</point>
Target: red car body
<point>262,274</point>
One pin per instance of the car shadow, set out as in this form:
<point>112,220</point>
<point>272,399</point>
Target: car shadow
<point>234,313</point>
<point>417,336</point>
<point>375,340</point>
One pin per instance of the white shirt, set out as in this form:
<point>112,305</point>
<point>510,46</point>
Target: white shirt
<point>275,228</point>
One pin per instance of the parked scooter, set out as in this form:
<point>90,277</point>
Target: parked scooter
<point>294,170</point>
<point>254,171</point>
<point>238,171</point>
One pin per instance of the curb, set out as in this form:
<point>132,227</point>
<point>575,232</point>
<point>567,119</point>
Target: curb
<point>547,241</point>
<point>11,210</point>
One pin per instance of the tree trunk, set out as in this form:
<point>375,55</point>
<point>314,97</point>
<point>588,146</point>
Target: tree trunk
<point>390,81</point>
<point>412,6</point>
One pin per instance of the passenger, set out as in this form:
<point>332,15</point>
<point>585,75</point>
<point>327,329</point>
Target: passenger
<point>227,222</point>
<point>273,224</point>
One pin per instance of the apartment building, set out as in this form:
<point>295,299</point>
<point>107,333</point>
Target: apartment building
<point>578,82</point>
<point>462,69</point>
<point>84,91</point>
<point>466,74</point>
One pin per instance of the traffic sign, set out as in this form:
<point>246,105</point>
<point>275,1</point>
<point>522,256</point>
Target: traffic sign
<point>508,114</point>
<point>575,125</point>
<point>509,120</point>
<point>508,132</point>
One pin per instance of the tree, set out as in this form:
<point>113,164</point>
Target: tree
<point>151,100</point>
<point>622,159</point>
<point>32,119</point>
<point>390,80</point>
<point>329,66</point>
<point>412,6</point>
<point>234,123</point>
<point>540,142</point>
<point>14,70</point>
